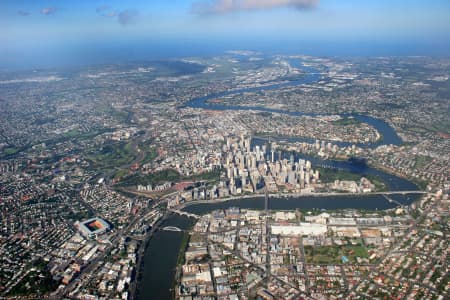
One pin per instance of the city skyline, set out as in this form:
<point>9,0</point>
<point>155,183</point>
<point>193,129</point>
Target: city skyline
<point>224,149</point>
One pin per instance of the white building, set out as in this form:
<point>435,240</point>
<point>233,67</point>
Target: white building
<point>302,229</point>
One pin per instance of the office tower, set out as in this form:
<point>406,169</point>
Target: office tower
<point>308,165</point>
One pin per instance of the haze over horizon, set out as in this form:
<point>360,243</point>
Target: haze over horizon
<point>70,33</point>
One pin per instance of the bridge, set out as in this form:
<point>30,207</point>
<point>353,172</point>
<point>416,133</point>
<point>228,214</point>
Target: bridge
<point>266,197</point>
<point>185,213</point>
<point>172,228</point>
<point>400,192</point>
<point>391,200</point>
<point>292,195</point>
<point>347,194</point>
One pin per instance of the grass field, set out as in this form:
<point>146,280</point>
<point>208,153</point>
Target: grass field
<point>150,155</point>
<point>113,155</point>
<point>330,175</point>
<point>10,151</point>
<point>333,254</point>
<point>347,121</point>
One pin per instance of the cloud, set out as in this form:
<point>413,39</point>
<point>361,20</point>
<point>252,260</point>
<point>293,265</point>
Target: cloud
<point>106,11</point>
<point>127,17</point>
<point>226,6</point>
<point>48,10</point>
<point>23,13</point>
<point>124,17</point>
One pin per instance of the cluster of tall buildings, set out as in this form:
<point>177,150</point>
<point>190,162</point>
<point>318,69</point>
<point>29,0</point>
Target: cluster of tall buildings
<point>296,174</point>
<point>241,165</point>
<point>249,169</point>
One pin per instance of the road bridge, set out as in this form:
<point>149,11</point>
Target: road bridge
<point>185,213</point>
<point>391,200</point>
<point>172,228</point>
<point>294,195</point>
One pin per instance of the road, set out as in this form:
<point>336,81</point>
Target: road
<point>393,249</point>
<point>267,225</point>
<point>139,157</point>
<point>114,240</point>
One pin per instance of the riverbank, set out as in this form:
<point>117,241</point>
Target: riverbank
<point>387,133</point>
<point>163,252</point>
<point>295,195</point>
<point>421,184</point>
<point>140,264</point>
<point>160,259</point>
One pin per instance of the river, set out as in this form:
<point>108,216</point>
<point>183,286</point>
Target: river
<point>162,251</point>
<point>311,75</point>
<point>160,260</point>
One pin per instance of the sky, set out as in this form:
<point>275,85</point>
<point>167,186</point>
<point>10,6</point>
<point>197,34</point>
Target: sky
<point>39,33</point>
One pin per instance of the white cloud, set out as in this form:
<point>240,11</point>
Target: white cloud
<point>225,6</point>
<point>48,10</point>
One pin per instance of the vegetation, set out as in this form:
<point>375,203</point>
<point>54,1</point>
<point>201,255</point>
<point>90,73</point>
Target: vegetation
<point>80,215</point>
<point>264,114</point>
<point>183,247</point>
<point>347,121</point>
<point>38,281</point>
<point>380,185</point>
<point>422,184</point>
<point>331,174</point>
<point>121,173</point>
<point>150,155</point>
<point>209,176</point>
<point>73,133</point>
<point>79,135</point>
<point>113,154</point>
<point>10,151</point>
<point>440,126</point>
<point>333,254</point>
<point>152,178</point>
<point>166,175</point>
<point>390,105</point>
<point>121,116</point>
<point>422,161</point>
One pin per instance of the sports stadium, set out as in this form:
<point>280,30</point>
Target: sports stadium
<point>92,227</point>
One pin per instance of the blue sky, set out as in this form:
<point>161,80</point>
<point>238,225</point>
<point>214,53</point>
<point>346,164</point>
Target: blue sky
<point>31,28</point>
